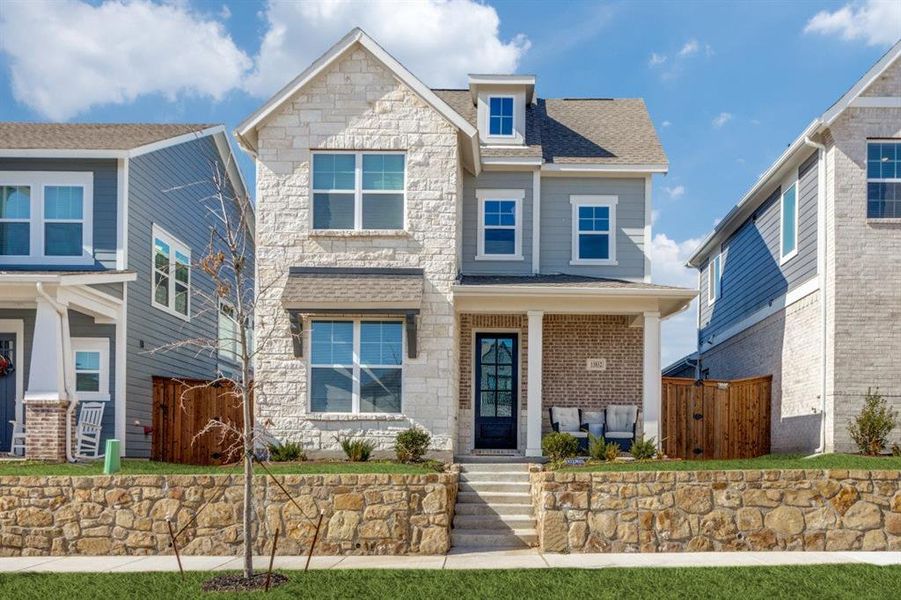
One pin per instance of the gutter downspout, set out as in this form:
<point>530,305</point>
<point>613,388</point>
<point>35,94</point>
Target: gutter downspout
<point>822,234</point>
<point>66,352</point>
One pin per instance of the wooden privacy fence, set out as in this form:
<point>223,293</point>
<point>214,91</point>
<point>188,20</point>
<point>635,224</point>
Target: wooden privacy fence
<point>181,409</point>
<point>716,419</point>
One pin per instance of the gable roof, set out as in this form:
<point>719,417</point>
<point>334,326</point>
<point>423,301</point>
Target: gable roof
<point>91,136</point>
<point>753,198</point>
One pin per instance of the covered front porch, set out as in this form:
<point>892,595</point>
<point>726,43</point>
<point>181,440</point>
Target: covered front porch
<point>529,343</point>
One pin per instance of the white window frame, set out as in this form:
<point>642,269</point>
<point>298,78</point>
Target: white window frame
<point>512,133</point>
<point>515,196</point>
<point>714,281</point>
<point>357,367</point>
<point>358,190</point>
<point>787,185</point>
<point>236,342</point>
<point>870,180</point>
<point>37,181</point>
<point>579,201</point>
<point>101,346</point>
<point>175,245</point>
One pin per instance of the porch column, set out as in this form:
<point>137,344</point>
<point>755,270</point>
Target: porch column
<point>533,404</point>
<point>651,380</point>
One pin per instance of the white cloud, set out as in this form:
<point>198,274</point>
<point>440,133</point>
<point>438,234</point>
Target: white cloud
<point>721,119</point>
<point>439,41</point>
<point>679,332</point>
<point>67,56</point>
<point>656,59</point>
<point>666,123</point>
<point>675,192</point>
<point>878,22</point>
<point>690,48</point>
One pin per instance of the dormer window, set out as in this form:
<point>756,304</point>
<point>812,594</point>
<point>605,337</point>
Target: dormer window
<point>500,115</point>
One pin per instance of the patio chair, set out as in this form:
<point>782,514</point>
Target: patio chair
<point>87,433</point>
<point>18,439</point>
<point>593,422</point>
<point>621,424</point>
<point>567,420</point>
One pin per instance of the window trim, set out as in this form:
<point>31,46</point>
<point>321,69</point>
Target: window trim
<point>712,285</point>
<point>506,136</point>
<point>224,360</point>
<point>578,201</point>
<point>37,181</point>
<point>100,345</point>
<point>484,195</point>
<point>896,179</point>
<point>357,366</point>
<point>785,257</point>
<point>358,190</point>
<point>175,245</point>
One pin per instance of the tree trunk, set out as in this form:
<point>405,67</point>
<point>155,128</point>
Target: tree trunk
<point>248,489</point>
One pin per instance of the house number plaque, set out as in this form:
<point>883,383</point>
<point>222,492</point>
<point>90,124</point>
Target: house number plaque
<point>596,364</point>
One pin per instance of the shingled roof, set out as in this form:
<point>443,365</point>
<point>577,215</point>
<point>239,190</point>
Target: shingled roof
<point>615,131</point>
<point>90,136</point>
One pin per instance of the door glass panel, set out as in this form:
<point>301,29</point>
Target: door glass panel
<point>489,378</point>
<point>505,351</point>
<point>488,350</point>
<point>487,406</point>
<point>505,404</point>
<point>505,378</point>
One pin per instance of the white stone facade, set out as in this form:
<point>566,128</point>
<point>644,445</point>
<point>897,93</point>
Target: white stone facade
<point>357,104</point>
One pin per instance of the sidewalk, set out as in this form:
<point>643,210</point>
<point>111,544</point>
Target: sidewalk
<point>456,559</point>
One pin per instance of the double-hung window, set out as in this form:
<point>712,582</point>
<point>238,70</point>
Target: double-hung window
<point>356,366</point>
<point>788,238</point>
<point>46,217</point>
<point>358,190</point>
<point>884,180</point>
<point>230,334</point>
<point>91,368</point>
<point>714,278</point>
<point>500,116</point>
<point>593,230</point>
<point>500,224</point>
<point>171,274</point>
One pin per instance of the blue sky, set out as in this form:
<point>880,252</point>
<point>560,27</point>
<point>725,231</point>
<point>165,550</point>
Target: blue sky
<point>728,84</point>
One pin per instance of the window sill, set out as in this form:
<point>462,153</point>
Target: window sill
<point>359,233</point>
<point>886,221</point>
<point>498,257</point>
<point>356,417</point>
<point>785,259</point>
<point>593,263</point>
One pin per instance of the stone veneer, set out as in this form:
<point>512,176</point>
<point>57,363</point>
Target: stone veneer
<point>126,515</point>
<point>718,510</point>
<point>357,104</point>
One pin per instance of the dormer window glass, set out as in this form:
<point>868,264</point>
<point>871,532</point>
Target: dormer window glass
<point>500,115</point>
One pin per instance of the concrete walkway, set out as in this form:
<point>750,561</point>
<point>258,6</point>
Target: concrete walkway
<point>457,559</point>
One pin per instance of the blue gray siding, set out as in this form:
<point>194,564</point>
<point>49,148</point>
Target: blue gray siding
<point>105,199</point>
<point>751,274</point>
<point>556,225</point>
<point>514,180</point>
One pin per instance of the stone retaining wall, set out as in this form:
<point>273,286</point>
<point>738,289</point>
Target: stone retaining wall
<point>718,510</point>
<point>126,515</point>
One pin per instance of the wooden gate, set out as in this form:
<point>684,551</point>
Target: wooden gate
<point>716,419</point>
<point>181,409</point>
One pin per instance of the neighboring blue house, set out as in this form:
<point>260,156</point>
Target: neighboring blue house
<point>100,225</point>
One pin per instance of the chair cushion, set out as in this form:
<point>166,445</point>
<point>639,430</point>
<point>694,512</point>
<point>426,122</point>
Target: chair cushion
<point>591,417</point>
<point>621,417</point>
<point>578,434</point>
<point>567,417</point>
<point>620,435</point>
<point>596,429</point>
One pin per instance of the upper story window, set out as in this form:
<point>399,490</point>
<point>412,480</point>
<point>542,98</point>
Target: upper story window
<point>788,237</point>
<point>356,366</point>
<point>500,224</point>
<point>171,274</point>
<point>714,278</point>
<point>91,368</point>
<point>500,115</point>
<point>884,180</point>
<point>358,190</point>
<point>46,217</point>
<point>593,230</point>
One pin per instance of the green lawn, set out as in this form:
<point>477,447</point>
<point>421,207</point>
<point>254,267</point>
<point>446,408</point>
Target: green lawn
<point>771,461</point>
<point>146,467</point>
<point>748,583</point>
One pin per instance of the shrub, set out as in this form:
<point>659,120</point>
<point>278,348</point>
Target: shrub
<point>595,447</point>
<point>611,451</point>
<point>559,446</point>
<point>356,449</point>
<point>870,429</point>
<point>896,450</point>
<point>643,449</point>
<point>287,452</point>
<point>412,444</point>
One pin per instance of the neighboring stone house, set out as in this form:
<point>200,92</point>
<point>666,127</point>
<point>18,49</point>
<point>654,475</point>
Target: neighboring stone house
<point>457,260</point>
<point>100,225</point>
<point>802,279</point>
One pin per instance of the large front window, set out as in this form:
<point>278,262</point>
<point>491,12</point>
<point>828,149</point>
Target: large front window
<point>500,224</point>
<point>358,190</point>
<point>594,230</point>
<point>356,366</point>
<point>884,180</point>
<point>171,274</point>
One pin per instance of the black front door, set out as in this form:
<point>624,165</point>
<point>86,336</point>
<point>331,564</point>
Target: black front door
<point>496,386</point>
<point>7,389</point>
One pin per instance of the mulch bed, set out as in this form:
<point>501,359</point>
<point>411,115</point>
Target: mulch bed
<point>237,583</point>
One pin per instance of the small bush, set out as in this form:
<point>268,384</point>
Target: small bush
<point>871,428</point>
<point>356,449</point>
<point>412,444</point>
<point>896,450</point>
<point>287,452</point>
<point>595,447</point>
<point>643,449</point>
<point>611,451</point>
<point>559,446</point>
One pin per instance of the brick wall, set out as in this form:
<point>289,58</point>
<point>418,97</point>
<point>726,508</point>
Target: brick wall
<point>45,437</point>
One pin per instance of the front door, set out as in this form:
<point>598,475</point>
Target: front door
<point>496,387</point>
<point>7,389</point>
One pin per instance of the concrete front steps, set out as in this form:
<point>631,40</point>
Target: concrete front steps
<point>494,507</point>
